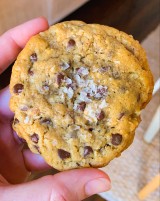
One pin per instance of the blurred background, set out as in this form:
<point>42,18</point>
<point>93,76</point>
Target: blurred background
<point>135,174</point>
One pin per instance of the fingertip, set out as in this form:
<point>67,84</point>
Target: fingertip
<point>44,21</point>
<point>104,174</point>
<point>39,24</point>
<point>86,182</point>
<point>16,38</point>
<point>22,33</point>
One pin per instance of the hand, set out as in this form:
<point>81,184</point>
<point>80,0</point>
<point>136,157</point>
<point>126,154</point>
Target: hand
<point>16,163</point>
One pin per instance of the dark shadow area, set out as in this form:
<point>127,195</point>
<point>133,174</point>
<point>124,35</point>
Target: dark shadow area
<point>136,17</point>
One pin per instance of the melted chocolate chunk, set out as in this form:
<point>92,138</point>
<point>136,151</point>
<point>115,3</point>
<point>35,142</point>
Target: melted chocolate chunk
<point>60,77</point>
<point>90,129</point>
<point>35,138</point>
<point>16,121</point>
<point>18,88</point>
<point>100,116</point>
<point>33,57</point>
<point>63,154</point>
<point>71,43</point>
<point>81,106</point>
<point>116,139</point>
<point>87,150</point>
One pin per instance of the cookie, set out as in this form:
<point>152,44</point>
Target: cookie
<point>77,93</point>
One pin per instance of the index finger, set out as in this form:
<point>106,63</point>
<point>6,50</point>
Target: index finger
<point>12,42</point>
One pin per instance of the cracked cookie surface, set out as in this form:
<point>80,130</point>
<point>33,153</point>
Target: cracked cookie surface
<point>77,92</point>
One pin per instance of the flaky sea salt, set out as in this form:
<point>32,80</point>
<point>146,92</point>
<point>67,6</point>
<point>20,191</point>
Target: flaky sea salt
<point>83,97</point>
<point>90,112</point>
<point>65,66</point>
<point>80,81</point>
<point>68,80</point>
<point>83,71</point>
<point>69,91</point>
<point>92,109</point>
<point>26,120</point>
<point>103,104</point>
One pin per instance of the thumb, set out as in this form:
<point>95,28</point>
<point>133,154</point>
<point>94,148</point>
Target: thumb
<point>73,185</point>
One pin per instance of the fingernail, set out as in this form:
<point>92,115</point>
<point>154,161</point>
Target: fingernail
<point>97,186</point>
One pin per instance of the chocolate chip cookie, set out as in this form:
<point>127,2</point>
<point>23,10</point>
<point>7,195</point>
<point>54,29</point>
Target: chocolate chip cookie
<point>77,93</point>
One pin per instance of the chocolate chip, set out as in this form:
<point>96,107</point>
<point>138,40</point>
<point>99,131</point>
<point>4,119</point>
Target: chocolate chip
<point>121,115</point>
<point>37,148</point>
<point>102,91</point>
<point>90,129</point>
<point>46,121</point>
<point>81,106</point>
<point>116,139</point>
<point>35,138</point>
<point>30,72</point>
<point>63,154</point>
<point>18,88</point>
<point>88,95</point>
<point>33,57</point>
<point>87,150</point>
<point>69,86</point>
<point>78,164</point>
<point>71,43</point>
<point>72,86</point>
<point>100,115</point>
<point>16,121</point>
<point>60,77</point>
